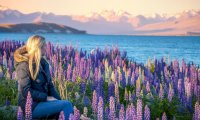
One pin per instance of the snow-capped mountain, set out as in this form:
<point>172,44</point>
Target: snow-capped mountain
<point>112,22</point>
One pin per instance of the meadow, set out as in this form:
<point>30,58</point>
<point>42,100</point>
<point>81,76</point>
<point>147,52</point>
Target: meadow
<point>105,84</point>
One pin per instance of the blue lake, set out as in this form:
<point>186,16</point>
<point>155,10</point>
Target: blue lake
<point>139,48</point>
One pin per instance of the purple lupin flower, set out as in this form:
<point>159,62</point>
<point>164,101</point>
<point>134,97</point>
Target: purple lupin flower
<point>19,113</point>
<point>116,92</point>
<point>122,79</point>
<point>7,102</point>
<point>176,67</point>
<point>94,102</point>
<point>86,101</point>
<point>146,113</point>
<point>111,90</point>
<point>121,113</point>
<point>28,107</point>
<point>111,115</point>
<point>99,89</point>
<point>139,109</point>
<point>61,116</point>
<point>179,88</point>
<point>106,113</point>
<point>100,109</point>
<point>164,116</point>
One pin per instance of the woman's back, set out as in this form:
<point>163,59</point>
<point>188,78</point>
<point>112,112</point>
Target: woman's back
<point>34,78</point>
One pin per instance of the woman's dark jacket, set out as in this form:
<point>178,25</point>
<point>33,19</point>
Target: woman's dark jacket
<point>39,88</point>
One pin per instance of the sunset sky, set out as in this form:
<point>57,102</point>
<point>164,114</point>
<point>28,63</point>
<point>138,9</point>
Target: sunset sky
<point>80,7</point>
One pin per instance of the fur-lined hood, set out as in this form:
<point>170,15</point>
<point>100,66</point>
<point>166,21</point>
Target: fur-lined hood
<point>20,55</point>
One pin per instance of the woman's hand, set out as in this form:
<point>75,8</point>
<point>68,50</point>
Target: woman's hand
<point>51,98</point>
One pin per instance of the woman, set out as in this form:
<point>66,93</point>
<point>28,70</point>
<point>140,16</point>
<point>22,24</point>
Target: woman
<point>33,75</point>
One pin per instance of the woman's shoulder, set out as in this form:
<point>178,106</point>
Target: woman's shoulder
<point>21,65</point>
<point>44,61</point>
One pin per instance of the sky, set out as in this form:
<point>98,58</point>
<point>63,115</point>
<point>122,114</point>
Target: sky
<point>82,7</point>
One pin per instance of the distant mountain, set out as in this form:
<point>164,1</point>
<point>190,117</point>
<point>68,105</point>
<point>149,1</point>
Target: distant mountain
<point>39,27</point>
<point>186,25</point>
<point>114,22</point>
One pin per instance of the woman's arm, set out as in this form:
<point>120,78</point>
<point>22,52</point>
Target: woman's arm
<point>52,91</point>
<point>51,88</point>
<point>25,84</point>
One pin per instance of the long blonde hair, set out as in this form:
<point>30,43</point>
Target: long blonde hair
<point>34,45</point>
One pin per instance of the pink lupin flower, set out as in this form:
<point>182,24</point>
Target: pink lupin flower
<point>5,59</point>
<point>94,102</point>
<point>61,116</point>
<point>146,113</point>
<point>71,116</point>
<point>100,109</point>
<point>28,107</point>
<point>112,108</point>
<point>127,113</point>
<point>116,92</point>
<point>76,114</point>
<point>164,116</point>
<point>196,111</point>
<point>121,113</point>
<point>132,111</point>
<point>139,109</point>
<point>148,87</point>
<point>69,72</point>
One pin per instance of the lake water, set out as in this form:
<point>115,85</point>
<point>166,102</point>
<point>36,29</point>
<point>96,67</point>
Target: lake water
<point>139,48</point>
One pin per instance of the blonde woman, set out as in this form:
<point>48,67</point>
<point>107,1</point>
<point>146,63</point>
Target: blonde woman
<point>33,75</point>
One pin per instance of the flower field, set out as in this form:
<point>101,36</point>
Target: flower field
<point>105,84</point>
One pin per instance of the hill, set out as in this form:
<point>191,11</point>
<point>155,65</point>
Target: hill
<point>39,27</point>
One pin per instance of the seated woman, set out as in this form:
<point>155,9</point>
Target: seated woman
<point>33,75</point>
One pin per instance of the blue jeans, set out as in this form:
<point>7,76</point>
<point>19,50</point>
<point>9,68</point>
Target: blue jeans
<point>44,109</point>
